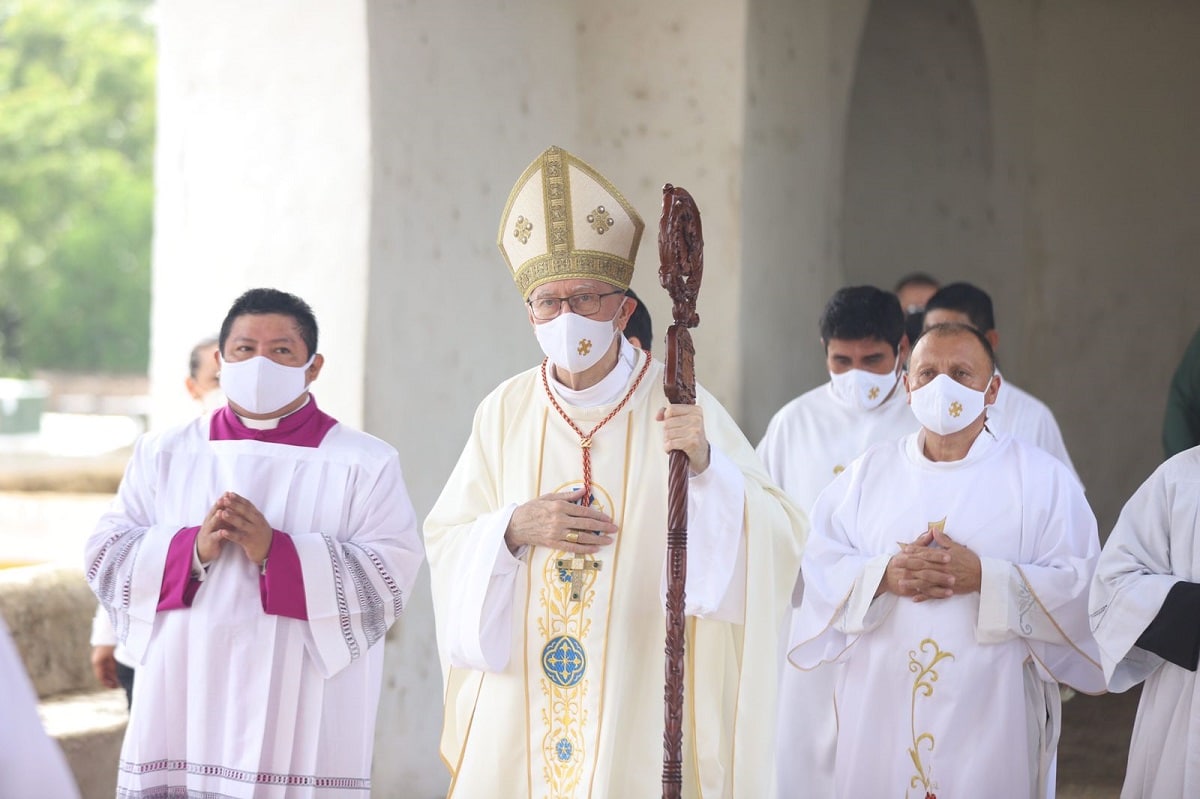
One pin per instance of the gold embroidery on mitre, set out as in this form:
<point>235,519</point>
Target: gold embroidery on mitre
<point>956,409</point>
<point>535,260</point>
<point>600,220</point>
<point>522,229</point>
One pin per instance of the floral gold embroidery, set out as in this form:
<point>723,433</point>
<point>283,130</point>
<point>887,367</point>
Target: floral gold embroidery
<point>923,662</point>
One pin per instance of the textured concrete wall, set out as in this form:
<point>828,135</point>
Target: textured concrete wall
<point>1071,206</point>
<point>262,178</point>
<point>800,64</point>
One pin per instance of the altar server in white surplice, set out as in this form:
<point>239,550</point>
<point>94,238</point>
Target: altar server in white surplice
<point>1145,607</point>
<point>252,562</point>
<point>949,573</point>
<point>810,441</point>
<point>547,546</point>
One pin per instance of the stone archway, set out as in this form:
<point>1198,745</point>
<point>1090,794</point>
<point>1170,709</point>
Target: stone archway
<point>918,150</point>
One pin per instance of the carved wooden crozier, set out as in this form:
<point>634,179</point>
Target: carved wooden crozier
<point>681,259</point>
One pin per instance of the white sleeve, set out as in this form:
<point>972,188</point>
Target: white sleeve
<point>103,633</point>
<point>716,552</point>
<point>479,627</point>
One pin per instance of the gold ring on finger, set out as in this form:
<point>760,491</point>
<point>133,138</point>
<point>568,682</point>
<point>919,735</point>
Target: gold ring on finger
<point>572,536</point>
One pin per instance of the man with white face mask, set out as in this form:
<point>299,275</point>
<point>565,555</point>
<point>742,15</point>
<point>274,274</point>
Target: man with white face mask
<point>948,572</point>
<point>808,443</point>
<point>252,562</point>
<point>1015,411</point>
<point>547,546</point>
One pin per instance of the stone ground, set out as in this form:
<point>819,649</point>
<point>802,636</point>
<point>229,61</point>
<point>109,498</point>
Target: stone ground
<point>39,522</point>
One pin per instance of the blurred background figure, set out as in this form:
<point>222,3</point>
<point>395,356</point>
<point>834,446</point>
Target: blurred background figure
<point>1181,425</point>
<point>110,663</point>
<point>914,290</point>
<point>638,330</point>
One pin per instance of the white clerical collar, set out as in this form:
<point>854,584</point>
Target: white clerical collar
<point>270,424</point>
<point>980,447</point>
<point>610,388</point>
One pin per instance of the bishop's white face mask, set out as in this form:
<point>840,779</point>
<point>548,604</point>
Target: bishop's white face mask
<point>259,385</point>
<point>864,390</point>
<point>573,342</point>
<point>945,406</point>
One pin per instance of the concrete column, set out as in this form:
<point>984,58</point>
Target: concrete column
<point>262,178</point>
<point>800,62</point>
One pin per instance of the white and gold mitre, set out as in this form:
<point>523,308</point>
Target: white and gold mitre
<point>565,220</point>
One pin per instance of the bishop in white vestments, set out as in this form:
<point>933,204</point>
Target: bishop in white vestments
<point>547,546</point>
<point>948,572</point>
<point>252,563</point>
<point>1145,610</point>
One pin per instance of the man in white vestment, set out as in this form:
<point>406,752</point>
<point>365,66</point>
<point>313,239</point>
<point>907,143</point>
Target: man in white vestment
<point>810,441</point>
<point>252,561</point>
<point>948,572</point>
<point>1016,412</point>
<point>547,546</point>
<point>1145,611</point>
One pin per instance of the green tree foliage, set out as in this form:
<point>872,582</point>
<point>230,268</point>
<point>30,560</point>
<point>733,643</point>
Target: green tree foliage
<point>76,184</point>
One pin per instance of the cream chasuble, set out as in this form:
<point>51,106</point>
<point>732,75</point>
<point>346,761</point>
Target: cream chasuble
<point>952,697</point>
<point>548,697</point>
<point>1154,550</point>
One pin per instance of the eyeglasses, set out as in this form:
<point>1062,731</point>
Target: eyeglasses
<point>583,304</point>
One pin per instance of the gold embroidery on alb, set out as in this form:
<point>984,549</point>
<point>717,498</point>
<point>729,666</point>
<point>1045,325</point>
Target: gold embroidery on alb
<point>923,662</point>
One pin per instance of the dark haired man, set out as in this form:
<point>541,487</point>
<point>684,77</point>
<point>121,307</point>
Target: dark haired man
<point>639,330</point>
<point>948,575</point>
<point>808,443</point>
<point>252,561</point>
<point>1015,411</point>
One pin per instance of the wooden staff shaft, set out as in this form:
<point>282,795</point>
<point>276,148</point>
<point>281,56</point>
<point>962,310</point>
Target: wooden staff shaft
<point>680,246</point>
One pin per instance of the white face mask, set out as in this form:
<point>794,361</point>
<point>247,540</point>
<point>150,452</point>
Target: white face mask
<point>945,406</point>
<point>864,390</point>
<point>573,342</point>
<point>212,399</point>
<point>259,385</point>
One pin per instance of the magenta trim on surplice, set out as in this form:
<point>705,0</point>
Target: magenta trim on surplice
<point>179,587</point>
<point>281,585</point>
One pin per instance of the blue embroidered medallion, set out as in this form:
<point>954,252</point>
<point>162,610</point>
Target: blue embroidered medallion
<point>564,661</point>
<point>564,749</point>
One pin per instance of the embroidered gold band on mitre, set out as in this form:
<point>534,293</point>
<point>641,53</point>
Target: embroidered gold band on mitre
<point>598,265</point>
<point>564,220</point>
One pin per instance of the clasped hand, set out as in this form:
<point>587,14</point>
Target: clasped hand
<point>234,518</point>
<point>934,566</point>
<point>558,521</point>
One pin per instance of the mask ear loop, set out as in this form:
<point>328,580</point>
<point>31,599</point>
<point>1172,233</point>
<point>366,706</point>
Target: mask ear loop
<point>987,429</point>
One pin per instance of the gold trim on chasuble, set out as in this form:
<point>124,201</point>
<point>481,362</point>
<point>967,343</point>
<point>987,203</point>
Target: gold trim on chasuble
<point>573,655</point>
